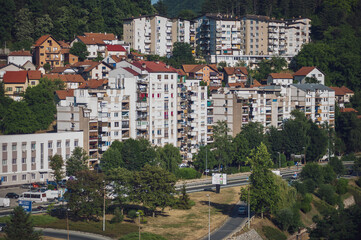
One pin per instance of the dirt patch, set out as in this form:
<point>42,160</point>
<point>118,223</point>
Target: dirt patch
<point>193,224</point>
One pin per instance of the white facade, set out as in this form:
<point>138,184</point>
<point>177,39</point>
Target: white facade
<point>297,34</point>
<point>25,158</point>
<point>276,37</point>
<point>314,73</point>
<point>19,60</point>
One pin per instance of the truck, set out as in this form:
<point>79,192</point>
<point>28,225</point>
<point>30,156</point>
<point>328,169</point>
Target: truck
<point>52,194</point>
<point>4,202</point>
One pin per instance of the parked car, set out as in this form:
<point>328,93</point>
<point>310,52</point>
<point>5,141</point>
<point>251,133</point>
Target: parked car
<point>2,226</point>
<point>242,210</point>
<point>12,195</point>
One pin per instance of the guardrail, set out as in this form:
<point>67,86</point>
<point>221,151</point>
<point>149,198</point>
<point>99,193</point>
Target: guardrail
<point>240,228</point>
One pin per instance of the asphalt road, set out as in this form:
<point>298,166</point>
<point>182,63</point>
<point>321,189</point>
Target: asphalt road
<point>62,234</point>
<point>233,222</point>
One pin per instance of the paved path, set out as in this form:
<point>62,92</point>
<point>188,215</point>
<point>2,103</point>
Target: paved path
<point>73,235</point>
<point>232,223</point>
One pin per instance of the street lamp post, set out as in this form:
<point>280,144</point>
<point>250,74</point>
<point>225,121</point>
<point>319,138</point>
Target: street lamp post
<point>67,222</point>
<point>249,204</point>
<point>279,160</point>
<point>209,217</point>
<point>206,162</point>
<point>139,223</point>
<point>104,211</point>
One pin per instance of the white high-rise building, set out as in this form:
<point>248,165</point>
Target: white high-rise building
<point>297,34</point>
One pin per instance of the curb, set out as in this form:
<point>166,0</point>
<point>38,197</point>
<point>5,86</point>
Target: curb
<point>75,232</point>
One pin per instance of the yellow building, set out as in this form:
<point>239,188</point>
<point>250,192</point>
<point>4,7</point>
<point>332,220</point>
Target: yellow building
<point>47,50</point>
<point>16,82</point>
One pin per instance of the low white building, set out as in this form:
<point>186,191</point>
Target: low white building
<point>309,72</point>
<point>25,158</point>
<point>280,79</point>
<point>19,58</point>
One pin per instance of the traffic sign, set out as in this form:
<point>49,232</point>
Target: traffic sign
<point>27,205</point>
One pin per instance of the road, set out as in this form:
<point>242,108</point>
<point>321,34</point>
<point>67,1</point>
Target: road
<point>62,234</point>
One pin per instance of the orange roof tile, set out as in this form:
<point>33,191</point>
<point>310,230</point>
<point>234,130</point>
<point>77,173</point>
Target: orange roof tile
<point>132,71</point>
<point>344,110</point>
<point>59,69</point>
<point>118,59</point>
<point>64,44</point>
<point>346,89</point>
<point>338,91</point>
<point>236,85</point>
<point>281,75</point>
<point>87,64</point>
<point>303,71</point>
<point>34,74</point>
<point>42,39</point>
<point>94,84</point>
<point>235,70</point>
<point>15,77</point>
<point>255,84</point>
<point>75,78</point>
<point>154,66</point>
<point>62,94</point>
<point>20,53</point>
<point>181,72</point>
<point>103,36</point>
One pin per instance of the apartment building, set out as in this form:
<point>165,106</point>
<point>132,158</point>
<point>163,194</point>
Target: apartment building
<point>254,35</point>
<point>316,101</point>
<point>152,34</point>
<point>203,72</point>
<point>342,95</point>
<point>235,76</point>
<point>276,37</point>
<point>297,33</point>
<point>196,123</point>
<point>25,158</point>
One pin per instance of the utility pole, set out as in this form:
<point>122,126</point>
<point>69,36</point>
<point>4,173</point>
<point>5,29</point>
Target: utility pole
<point>206,161</point>
<point>104,210</point>
<point>209,217</point>
<point>279,160</point>
<point>249,207</point>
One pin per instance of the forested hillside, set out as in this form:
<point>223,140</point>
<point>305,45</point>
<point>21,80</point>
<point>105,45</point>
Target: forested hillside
<point>23,21</point>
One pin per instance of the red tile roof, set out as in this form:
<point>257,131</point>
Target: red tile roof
<point>346,90</point>
<point>303,71</point>
<point>131,71</point>
<point>281,75</point>
<point>116,48</point>
<point>62,94</point>
<point>15,77</point>
<point>64,44</point>
<point>104,36</point>
<point>34,74</point>
<point>235,70</point>
<point>256,84</point>
<point>154,66</point>
<point>344,110</point>
<point>118,59</point>
<point>75,78</point>
<point>20,53</point>
<point>236,85</point>
<point>42,39</point>
<point>94,84</point>
<point>87,64</point>
<point>181,72</point>
<point>192,68</point>
<point>59,69</point>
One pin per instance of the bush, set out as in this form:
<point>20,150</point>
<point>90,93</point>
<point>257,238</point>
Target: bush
<point>231,170</point>
<point>349,157</point>
<point>183,202</point>
<point>324,208</point>
<point>288,219</point>
<point>144,236</point>
<point>310,185</point>
<point>290,163</point>
<point>358,182</point>
<point>273,233</point>
<point>300,187</point>
<point>337,166</point>
<point>245,169</point>
<point>306,203</point>
<point>51,187</point>
<point>132,214</point>
<point>187,173</point>
<point>118,217</point>
<point>327,193</point>
<point>328,174</point>
<point>341,186</point>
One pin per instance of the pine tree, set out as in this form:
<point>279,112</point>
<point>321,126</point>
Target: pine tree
<point>20,226</point>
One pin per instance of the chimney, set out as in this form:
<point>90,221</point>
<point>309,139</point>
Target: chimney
<point>167,66</point>
<point>157,61</point>
<point>144,65</point>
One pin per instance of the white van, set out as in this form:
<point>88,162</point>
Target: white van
<point>33,196</point>
<point>52,194</point>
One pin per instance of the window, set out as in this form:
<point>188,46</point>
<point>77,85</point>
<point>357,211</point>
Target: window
<point>116,124</point>
<point>13,147</point>
<point>9,89</point>
<point>171,76</point>
<point>67,156</point>
<point>23,160</point>
<point>33,176</point>
<point>14,161</point>
<point>76,143</point>
<point>58,144</point>
<point>5,162</point>
<point>23,146</point>
<point>166,76</point>
<point>32,159</point>
<point>116,133</point>
<point>67,143</point>
<point>116,114</point>
<point>5,147</point>
<point>33,146</point>
<point>14,178</point>
<point>32,83</point>
<point>23,177</point>
<point>159,76</point>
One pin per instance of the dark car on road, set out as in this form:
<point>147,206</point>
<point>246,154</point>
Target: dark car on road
<point>2,226</point>
<point>242,210</point>
<point>12,195</point>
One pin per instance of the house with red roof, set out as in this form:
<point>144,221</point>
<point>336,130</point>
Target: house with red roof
<point>72,81</point>
<point>96,43</point>
<point>235,76</point>
<point>342,95</point>
<point>92,70</point>
<point>306,74</point>
<point>15,84</point>
<point>9,67</point>
<point>115,50</point>
<point>47,50</point>
<point>112,60</point>
<point>280,79</point>
<point>19,58</point>
<point>207,73</point>
<point>62,96</point>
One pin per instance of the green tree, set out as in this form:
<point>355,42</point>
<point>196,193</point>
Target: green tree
<point>111,159</point>
<point>253,132</point>
<point>241,150</point>
<point>264,193</point>
<point>7,11</point>
<point>47,67</point>
<point>121,180</point>
<point>161,8</point>
<point>153,187</point>
<point>312,171</point>
<point>43,25</point>
<point>357,165</point>
<point>187,14</point>
<point>169,157</point>
<point>24,28</point>
<point>348,128</point>
<point>204,157</point>
<point>182,54</point>
<point>317,145</point>
<point>79,49</point>
<point>222,144</point>
<point>56,164</point>
<point>19,119</point>
<point>337,165</point>
<point>77,162</point>
<point>137,153</point>
<point>275,143</point>
<point>20,226</point>
<point>85,195</point>
<point>184,202</point>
